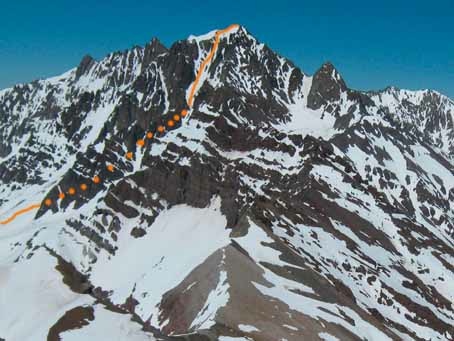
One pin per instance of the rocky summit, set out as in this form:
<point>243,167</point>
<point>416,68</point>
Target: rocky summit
<point>283,207</point>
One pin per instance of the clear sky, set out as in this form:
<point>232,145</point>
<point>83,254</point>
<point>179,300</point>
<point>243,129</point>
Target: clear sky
<point>409,44</point>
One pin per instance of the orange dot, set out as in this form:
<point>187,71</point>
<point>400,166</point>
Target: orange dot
<point>61,195</point>
<point>129,155</point>
<point>71,191</point>
<point>161,129</point>
<point>170,123</point>
<point>140,143</point>
<point>83,187</point>
<point>96,179</point>
<point>110,168</point>
<point>176,117</point>
<point>47,202</point>
<point>184,112</point>
<point>149,135</point>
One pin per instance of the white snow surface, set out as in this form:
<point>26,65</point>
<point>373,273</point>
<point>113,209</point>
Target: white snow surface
<point>193,234</point>
<point>247,328</point>
<point>43,297</point>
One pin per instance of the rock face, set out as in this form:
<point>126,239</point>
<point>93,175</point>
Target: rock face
<point>327,87</point>
<point>284,207</point>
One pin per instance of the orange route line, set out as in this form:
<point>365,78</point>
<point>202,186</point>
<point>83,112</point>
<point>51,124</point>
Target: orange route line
<point>18,213</point>
<point>206,61</point>
<point>160,129</point>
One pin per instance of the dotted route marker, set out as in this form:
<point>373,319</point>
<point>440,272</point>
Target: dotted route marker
<point>161,129</point>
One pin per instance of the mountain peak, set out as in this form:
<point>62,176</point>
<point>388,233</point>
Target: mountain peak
<point>329,70</point>
<point>84,65</point>
<point>155,43</point>
<point>153,49</point>
<point>211,34</point>
<point>328,66</point>
<point>327,86</point>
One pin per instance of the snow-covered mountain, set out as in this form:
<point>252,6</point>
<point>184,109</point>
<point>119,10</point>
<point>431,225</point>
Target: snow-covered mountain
<point>283,207</point>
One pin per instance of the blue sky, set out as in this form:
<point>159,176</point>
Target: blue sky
<point>409,44</point>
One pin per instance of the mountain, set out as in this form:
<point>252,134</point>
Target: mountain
<point>283,206</point>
